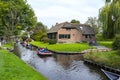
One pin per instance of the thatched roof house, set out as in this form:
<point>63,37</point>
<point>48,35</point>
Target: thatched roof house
<point>71,32</point>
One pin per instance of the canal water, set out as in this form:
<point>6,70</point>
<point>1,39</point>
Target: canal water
<point>60,67</point>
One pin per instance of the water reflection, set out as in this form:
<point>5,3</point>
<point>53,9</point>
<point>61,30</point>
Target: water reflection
<point>61,67</point>
<point>66,60</point>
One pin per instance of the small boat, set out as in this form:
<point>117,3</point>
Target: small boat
<point>44,52</point>
<point>29,46</point>
<point>110,75</point>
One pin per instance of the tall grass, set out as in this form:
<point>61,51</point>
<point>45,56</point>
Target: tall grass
<point>106,58</point>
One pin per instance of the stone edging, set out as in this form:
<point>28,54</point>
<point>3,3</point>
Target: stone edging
<point>96,50</point>
<point>66,53</point>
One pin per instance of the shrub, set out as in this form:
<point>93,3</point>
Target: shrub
<point>0,48</point>
<point>100,37</point>
<point>45,40</point>
<point>52,41</point>
<point>116,43</point>
<point>24,38</point>
<point>35,37</point>
<point>28,39</point>
<point>118,52</point>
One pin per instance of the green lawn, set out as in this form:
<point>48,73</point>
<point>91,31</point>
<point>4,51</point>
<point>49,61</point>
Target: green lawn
<point>106,43</point>
<point>74,47</point>
<point>111,58</point>
<point>8,45</point>
<point>12,68</point>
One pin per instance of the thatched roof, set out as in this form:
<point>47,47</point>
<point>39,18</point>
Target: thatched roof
<point>85,29</point>
<point>56,28</point>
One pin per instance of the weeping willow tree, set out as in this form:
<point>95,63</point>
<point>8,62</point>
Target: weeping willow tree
<point>110,18</point>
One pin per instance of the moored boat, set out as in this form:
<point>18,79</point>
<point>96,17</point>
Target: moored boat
<point>44,52</point>
<point>110,75</point>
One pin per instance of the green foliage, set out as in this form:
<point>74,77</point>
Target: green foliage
<point>45,39</point>
<point>101,38</point>
<point>25,34</point>
<point>110,18</point>
<point>9,45</point>
<point>12,68</point>
<point>41,26</point>
<point>52,41</point>
<point>14,13</point>
<point>40,31</point>
<point>106,43</point>
<point>76,47</point>
<point>28,40</point>
<point>107,1</point>
<point>93,22</point>
<point>2,31</point>
<point>107,23</point>
<point>37,35</point>
<point>0,48</point>
<point>75,21</point>
<point>118,52</point>
<point>24,38</point>
<point>116,43</point>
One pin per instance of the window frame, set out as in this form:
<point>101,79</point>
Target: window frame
<point>64,36</point>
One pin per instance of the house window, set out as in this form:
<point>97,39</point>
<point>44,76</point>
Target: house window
<point>93,35</point>
<point>86,36</point>
<point>64,36</point>
<point>90,36</point>
<point>68,36</point>
<point>60,36</point>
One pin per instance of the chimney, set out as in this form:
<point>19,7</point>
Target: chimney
<point>56,23</point>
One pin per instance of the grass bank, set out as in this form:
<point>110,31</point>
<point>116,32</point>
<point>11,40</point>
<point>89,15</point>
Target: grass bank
<point>106,43</point>
<point>111,58</point>
<point>8,45</point>
<point>74,47</point>
<point>12,68</point>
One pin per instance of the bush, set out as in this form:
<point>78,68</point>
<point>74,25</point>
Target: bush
<point>0,48</point>
<point>45,40</point>
<point>118,52</point>
<point>28,39</point>
<point>24,38</point>
<point>116,43</point>
<point>100,37</point>
<point>52,41</point>
<point>35,37</point>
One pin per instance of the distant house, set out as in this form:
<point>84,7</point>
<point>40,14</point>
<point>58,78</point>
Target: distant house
<point>71,32</point>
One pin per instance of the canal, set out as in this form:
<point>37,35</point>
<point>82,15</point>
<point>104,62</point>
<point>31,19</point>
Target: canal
<point>60,67</point>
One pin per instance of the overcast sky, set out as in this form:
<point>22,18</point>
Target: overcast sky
<point>50,12</point>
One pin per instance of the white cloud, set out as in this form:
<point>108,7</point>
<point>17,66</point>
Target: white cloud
<point>51,11</point>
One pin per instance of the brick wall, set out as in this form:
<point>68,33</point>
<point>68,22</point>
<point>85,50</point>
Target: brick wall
<point>75,35</point>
